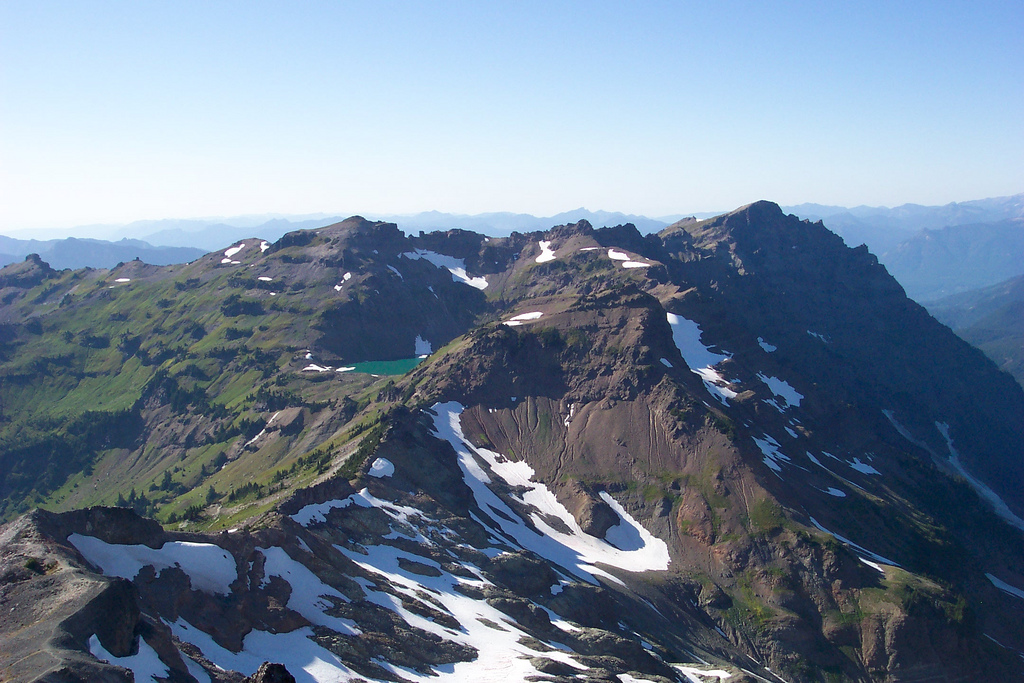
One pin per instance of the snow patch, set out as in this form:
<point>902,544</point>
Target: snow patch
<point>210,568</point>
<point>993,498</point>
<point>691,673</point>
<point>395,271</point>
<point>700,358</point>
<point>233,250</point>
<point>665,362</point>
<point>768,348</point>
<point>264,246</point>
<point>307,661</point>
<point>862,467</point>
<point>423,347</point>
<point>146,664</point>
<point>264,278</point>
<point>382,467</point>
<point>838,493</point>
<point>455,266</point>
<point>635,264</point>
<point>782,389</point>
<point>517,320</point>
<point>308,592</point>
<point>313,367</point>
<point>546,253</point>
<point>618,255</point>
<point>773,457</point>
<point>123,279</point>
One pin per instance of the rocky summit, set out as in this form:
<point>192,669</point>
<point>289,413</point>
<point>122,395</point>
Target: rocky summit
<point>730,451</point>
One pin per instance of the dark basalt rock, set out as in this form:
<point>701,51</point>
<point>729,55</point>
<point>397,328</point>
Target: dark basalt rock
<point>271,673</point>
<point>522,573</point>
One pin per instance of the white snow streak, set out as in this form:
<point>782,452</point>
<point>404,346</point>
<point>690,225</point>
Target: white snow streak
<point>874,556</point>
<point>1005,587</point>
<point>517,320</point>
<point>576,551</point>
<point>700,358</point>
<point>455,266</point>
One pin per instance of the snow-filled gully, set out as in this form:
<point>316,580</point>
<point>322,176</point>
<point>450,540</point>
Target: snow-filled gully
<point>577,552</point>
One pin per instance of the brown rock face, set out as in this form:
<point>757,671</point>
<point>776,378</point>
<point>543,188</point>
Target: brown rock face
<point>593,515</point>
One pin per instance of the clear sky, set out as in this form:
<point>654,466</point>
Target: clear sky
<point>118,111</point>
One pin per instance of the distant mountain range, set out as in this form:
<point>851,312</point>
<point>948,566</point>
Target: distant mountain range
<point>933,251</point>
<point>883,229</point>
<point>75,253</point>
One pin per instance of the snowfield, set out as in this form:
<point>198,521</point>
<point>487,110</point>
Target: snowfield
<point>210,568</point>
<point>145,664</point>
<point>701,359</point>
<point>578,552</point>
<point>455,266</point>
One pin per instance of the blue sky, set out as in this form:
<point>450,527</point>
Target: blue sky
<point>118,111</point>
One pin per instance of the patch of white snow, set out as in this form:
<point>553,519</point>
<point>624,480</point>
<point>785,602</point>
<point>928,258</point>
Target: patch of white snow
<point>700,358</point>
<point>455,266</point>
<point>782,389</point>
<point>517,320</point>
<point>382,467</point>
<point>145,665</point>
<point>862,467</point>
<point>546,253</point>
<point>210,568</point>
<point>423,347</point>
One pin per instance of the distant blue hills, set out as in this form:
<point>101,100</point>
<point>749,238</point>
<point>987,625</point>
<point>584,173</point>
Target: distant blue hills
<point>934,251</point>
